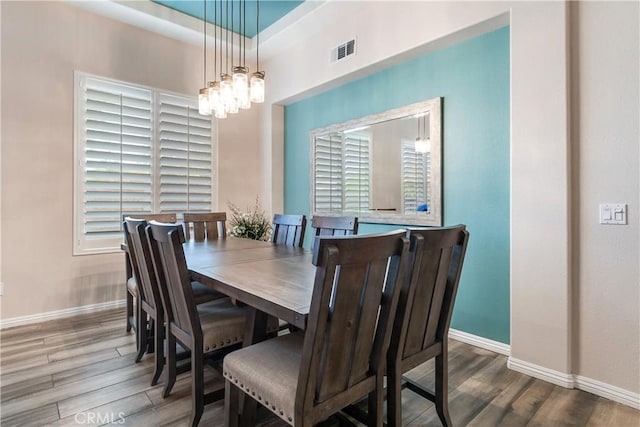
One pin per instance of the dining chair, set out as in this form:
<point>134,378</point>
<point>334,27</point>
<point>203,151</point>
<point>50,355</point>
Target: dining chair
<point>421,326</point>
<point>150,331</point>
<point>335,225</point>
<point>307,376</point>
<point>206,330</point>
<point>207,225</point>
<point>131,283</point>
<point>289,229</point>
<point>150,315</point>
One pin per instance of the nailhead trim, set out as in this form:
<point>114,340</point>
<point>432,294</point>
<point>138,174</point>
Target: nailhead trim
<point>223,343</point>
<point>247,390</point>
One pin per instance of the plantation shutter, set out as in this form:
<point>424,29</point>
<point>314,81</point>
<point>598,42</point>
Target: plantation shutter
<point>414,172</point>
<point>185,156</point>
<point>137,150</point>
<point>117,157</point>
<point>356,173</point>
<point>328,173</point>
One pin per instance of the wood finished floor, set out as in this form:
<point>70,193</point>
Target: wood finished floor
<point>63,372</point>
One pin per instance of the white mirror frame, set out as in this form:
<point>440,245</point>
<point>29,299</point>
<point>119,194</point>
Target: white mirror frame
<point>431,218</point>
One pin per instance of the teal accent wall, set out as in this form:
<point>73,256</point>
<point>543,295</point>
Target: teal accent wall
<point>473,78</point>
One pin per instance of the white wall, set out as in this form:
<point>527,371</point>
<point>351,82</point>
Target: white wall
<point>542,246</point>
<point>606,138</point>
<point>1,283</point>
<point>386,164</point>
<point>42,44</point>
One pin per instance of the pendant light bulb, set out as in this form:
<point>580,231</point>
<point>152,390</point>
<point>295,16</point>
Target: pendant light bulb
<point>256,91</point>
<point>226,87</point>
<point>220,112</point>
<point>204,107</point>
<point>215,98</point>
<point>241,82</point>
<point>423,145</point>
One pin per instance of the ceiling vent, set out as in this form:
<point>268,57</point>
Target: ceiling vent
<point>343,50</point>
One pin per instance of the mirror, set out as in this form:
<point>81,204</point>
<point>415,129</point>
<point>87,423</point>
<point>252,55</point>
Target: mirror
<point>383,168</point>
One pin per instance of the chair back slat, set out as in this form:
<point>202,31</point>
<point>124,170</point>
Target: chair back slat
<point>131,257</point>
<point>173,275</point>
<point>289,230</point>
<point>427,296</point>
<point>335,225</point>
<point>208,225</point>
<point>141,257</point>
<point>352,308</point>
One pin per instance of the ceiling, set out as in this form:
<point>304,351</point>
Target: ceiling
<point>270,11</point>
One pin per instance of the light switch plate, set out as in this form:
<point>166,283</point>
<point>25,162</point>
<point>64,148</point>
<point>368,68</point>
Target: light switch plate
<point>613,213</point>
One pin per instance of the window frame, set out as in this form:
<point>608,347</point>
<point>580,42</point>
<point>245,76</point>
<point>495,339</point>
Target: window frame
<point>87,246</point>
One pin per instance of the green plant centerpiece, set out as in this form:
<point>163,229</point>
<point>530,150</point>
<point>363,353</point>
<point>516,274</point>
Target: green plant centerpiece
<point>252,224</point>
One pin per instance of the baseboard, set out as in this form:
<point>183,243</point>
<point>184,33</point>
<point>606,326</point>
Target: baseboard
<point>487,344</point>
<point>58,314</point>
<point>598,388</point>
<point>555,377</point>
<point>608,391</point>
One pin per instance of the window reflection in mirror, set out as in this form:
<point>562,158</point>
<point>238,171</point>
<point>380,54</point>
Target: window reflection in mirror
<point>384,168</point>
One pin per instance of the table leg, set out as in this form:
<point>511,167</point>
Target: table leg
<point>255,329</point>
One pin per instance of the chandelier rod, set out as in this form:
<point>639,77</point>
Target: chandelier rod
<point>204,32</point>
<point>257,35</point>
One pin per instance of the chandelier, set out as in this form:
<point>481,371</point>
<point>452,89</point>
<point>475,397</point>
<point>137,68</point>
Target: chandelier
<point>236,90</point>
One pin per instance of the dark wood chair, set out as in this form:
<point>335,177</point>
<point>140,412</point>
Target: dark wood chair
<point>209,225</point>
<point>305,377</point>
<point>132,285</point>
<point>149,333</point>
<point>421,327</point>
<point>289,229</point>
<point>335,225</point>
<point>150,330</point>
<point>210,329</point>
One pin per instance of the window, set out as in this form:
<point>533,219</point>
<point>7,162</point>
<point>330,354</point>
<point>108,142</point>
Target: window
<point>341,173</point>
<point>328,173</point>
<point>356,173</point>
<point>185,156</point>
<point>416,178</point>
<point>138,150</point>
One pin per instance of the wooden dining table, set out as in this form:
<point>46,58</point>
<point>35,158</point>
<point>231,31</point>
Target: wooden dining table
<point>271,280</point>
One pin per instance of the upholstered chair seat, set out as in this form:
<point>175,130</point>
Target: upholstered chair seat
<point>280,358</point>
<point>222,324</point>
